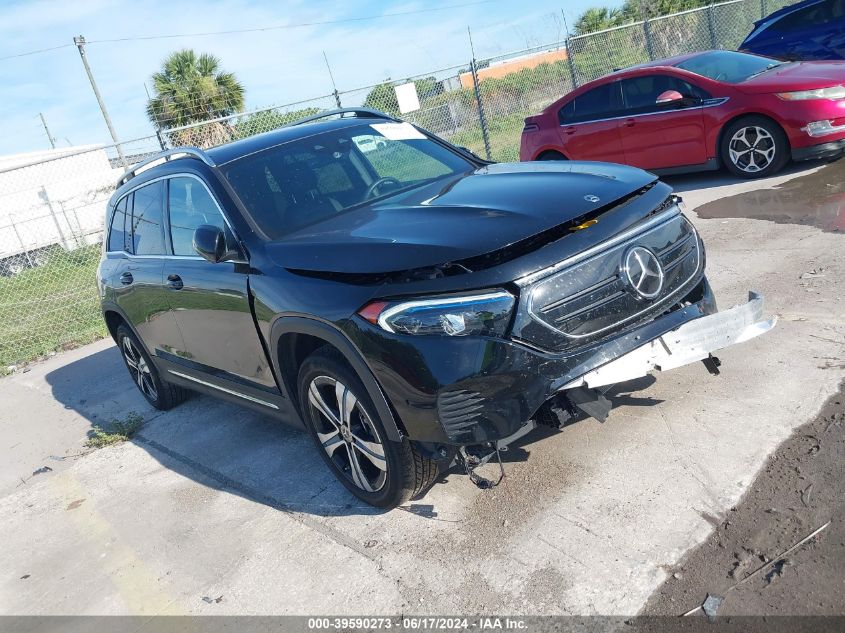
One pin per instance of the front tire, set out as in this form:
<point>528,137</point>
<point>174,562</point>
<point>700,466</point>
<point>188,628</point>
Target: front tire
<point>158,392</point>
<point>754,147</point>
<point>351,439</point>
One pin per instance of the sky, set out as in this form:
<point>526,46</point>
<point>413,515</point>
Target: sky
<point>276,67</point>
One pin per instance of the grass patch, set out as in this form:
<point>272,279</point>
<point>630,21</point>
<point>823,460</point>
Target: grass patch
<point>119,431</point>
<point>504,134</point>
<point>50,307</point>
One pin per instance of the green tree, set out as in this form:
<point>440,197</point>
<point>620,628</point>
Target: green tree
<point>383,97</point>
<point>192,88</point>
<point>598,19</point>
<point>269,120</point>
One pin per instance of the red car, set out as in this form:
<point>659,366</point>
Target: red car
<point>696,112</point>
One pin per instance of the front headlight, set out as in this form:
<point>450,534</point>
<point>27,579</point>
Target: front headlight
<point>485,314</point>
<point>834,92</point>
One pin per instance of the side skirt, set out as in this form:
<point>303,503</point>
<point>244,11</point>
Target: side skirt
<point>187,374</point>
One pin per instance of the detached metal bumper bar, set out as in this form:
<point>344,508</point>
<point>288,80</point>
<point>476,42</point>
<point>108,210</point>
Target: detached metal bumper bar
<point>689,343</point>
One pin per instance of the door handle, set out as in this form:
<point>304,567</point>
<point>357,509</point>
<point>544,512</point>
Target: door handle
<point>126,278</point>
<point>175,282</point>
<point>569,130</point>
<point>630,122</point>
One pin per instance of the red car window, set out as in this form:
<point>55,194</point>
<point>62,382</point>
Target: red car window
<point>640,94</point>
<point>599,103</point>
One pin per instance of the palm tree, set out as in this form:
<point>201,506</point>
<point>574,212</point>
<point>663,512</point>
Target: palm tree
<point>191,88</point>
<point>597,19</point>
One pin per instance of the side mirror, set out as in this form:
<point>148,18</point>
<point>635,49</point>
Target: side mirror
<point>670,96</point>
<point>210,243</point>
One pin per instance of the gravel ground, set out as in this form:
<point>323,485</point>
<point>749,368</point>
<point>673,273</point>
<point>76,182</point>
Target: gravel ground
<point>799,490</point>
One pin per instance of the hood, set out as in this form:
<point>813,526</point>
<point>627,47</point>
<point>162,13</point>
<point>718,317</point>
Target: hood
<point>796,76</point>
<point>457,218</point>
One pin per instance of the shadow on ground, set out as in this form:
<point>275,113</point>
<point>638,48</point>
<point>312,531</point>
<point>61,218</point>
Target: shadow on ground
<point>237,450</point>
<point>722,178</point>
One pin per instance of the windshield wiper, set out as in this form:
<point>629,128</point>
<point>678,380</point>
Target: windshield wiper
<point>765,70</point>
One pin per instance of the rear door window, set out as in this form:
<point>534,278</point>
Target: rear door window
<point>191,206</point>
<point>602,102</point>
<point>147,212</point>
<point>117,231</point>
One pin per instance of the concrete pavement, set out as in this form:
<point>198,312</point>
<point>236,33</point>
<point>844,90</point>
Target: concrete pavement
<point>212,500</point>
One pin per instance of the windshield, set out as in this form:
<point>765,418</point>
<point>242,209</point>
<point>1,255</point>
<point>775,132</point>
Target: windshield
<point>311,179</point>
<point>728,66</point>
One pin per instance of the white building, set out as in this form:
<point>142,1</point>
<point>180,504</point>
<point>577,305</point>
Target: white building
<point>53,197</point>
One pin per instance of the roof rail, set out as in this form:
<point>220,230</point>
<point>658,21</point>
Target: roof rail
<point>165,156</point>
<point>353,112</point>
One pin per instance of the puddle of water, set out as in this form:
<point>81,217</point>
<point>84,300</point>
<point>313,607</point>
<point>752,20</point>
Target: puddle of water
<point>817,199</point>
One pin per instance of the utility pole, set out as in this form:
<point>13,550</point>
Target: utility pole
<point>482,119</point>
<point>331,76</point>
<point>80,44</point>
<point>46,129</point>
<point>573,76</point>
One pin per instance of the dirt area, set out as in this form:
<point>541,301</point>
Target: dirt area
<point>800,489</point>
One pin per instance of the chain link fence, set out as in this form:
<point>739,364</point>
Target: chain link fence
<point>52,204</point>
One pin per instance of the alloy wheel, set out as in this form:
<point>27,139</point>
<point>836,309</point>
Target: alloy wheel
<point>752,149</point>
<point>139,368</point>
<point>347,434</point>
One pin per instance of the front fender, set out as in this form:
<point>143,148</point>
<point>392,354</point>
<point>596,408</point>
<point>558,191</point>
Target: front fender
<point>333,336</point>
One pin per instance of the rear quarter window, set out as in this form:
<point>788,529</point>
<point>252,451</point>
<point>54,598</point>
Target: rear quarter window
<point>117,231</point>
<point>147,212</point>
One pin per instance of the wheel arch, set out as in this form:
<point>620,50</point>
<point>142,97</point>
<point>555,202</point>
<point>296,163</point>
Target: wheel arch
<point>547,152</point>
<point>721,135</point>
<point>114,319</point>
<point>294,338</point>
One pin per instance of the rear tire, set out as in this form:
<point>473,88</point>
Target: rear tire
<point>754,147</point>
<point>351,439</point>
<point>157,391</point>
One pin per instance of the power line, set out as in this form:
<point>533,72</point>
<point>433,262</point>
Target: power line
<point>254,30</point>
<point>291,26</point>
<point>40,50</point>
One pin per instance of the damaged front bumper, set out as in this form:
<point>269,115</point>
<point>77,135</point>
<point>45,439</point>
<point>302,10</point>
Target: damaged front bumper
<point>693,341</point>
<point>453,392</point>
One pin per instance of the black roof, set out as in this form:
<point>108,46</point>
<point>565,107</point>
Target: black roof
<point>223,154</point>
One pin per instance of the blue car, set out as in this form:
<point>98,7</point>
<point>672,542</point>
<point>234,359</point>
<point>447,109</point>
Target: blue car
<point>813,29</point>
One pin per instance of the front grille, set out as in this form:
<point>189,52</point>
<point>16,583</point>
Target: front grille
<point>595,295</point>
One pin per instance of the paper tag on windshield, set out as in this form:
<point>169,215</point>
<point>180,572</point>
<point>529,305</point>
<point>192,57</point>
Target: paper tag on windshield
<point>398,131</point>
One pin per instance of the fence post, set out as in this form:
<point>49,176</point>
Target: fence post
<point>649,42</point>
<point>571,63</point>
<point>450,109</point>
<point>711,25</point>
<point>76,233</point>
<point>46,198</point>
<point>481,117</point>
<point>764,11</point>
<point>23,246</point>
<point>161,139</point>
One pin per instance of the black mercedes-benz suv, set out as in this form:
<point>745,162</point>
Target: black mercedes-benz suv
<point>413,305</point>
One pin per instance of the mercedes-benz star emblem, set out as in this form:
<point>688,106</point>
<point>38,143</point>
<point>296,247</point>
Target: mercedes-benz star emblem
<point>644,272</point>
<point>591,198</point>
